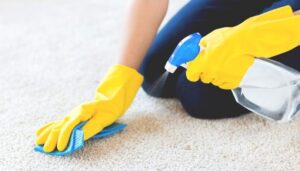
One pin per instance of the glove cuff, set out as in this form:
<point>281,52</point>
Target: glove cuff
<point>120,76</point>
<point>119,86</point>
<point>279,13</point>
<point>128,72</point>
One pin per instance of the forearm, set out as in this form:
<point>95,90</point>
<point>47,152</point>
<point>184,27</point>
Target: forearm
<point>142,22</point>
<point>297,12</point>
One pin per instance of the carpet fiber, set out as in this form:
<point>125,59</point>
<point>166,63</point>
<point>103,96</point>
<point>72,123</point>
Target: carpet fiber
<point>53,54</point>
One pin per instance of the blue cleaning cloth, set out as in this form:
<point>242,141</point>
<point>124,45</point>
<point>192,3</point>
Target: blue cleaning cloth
<point>76,141</point>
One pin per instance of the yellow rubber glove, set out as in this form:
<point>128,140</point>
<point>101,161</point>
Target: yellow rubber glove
<point>113,96</point>
<point>229,52</point>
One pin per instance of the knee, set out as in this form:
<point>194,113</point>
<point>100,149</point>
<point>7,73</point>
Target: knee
<point>200,108</point>
<point>206,101</point>
<point>191,96</point>
<point>196,107</point>
<point>196,111</point>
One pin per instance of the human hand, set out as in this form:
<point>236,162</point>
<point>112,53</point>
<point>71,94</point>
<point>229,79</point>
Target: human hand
<point>229,52</point>
<point>113,96</point>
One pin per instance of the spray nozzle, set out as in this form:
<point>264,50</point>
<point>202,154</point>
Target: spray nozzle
<point>186,51</point>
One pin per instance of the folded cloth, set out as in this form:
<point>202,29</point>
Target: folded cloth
<point>76,141</point>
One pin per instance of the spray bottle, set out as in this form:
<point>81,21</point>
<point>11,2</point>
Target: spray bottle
<point>269,88</point>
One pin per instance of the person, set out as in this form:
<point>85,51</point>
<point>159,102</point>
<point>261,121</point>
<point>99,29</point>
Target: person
<point>235,31</point>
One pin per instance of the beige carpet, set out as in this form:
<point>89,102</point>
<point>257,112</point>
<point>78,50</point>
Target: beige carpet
<point>52,55</point>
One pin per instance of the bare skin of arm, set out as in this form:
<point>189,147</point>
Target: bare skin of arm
<point>297,12</point>
<point>142,22</point>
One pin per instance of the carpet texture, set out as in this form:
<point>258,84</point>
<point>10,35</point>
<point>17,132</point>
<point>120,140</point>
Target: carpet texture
<point>53,54</point>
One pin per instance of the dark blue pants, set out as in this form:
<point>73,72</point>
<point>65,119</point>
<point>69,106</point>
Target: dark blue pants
<point>203,16</point>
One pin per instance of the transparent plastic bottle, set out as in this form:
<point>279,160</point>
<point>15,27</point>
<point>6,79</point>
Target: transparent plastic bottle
<point>270,89</point>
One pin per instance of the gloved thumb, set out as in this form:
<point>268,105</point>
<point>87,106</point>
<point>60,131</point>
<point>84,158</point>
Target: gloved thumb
<point>97,123</point>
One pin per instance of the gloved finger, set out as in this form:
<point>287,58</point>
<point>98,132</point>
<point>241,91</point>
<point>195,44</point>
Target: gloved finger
<point>194,68</point>
<point>229,86</point>
<point>41,129</point>
<point>206,78</point>
<point>203,43</point>
<point>51,141</point>
<point>217,82</point>
<point>192,76</point>
<point>65,133</point>
<point>41,139</point>
<point>192,73</point>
